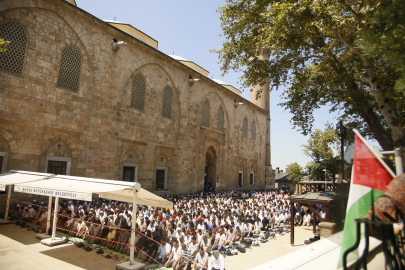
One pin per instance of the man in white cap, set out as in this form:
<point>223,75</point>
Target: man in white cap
<point>297,219</point>
<point>30,213</point>
<point>71,208</point>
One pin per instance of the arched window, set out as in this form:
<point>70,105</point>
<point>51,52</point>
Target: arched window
<point>206,114</point>
<point>138,92</point>
<point>253,131</point>
<point>12,60</point>
<point>244,128</point>
<point>69,71</point>
<point>220,122</point>
<point>167,102</point>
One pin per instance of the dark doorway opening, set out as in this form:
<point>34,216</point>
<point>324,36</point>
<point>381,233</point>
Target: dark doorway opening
<point>210,170</point>
<point>160,179</point>
<point>240,179</point>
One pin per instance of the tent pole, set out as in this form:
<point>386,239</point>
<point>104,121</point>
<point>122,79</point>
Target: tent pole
<point>8,202</point>
<point>55,217</point>
<point>48,219</point>
<point>134,208</point>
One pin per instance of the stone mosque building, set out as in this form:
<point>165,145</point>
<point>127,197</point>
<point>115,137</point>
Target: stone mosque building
<point>86,97</point>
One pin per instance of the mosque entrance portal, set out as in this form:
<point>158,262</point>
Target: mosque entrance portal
<point>210,169</point>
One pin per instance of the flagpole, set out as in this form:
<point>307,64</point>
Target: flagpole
<point>399,165</point>
<point>372,205</point>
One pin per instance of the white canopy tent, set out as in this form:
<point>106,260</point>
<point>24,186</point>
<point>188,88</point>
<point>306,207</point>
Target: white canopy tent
<point>17,177</point>
<point>82,188</point>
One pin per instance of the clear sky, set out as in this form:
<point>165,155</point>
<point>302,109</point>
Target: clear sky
<point>190,29</point>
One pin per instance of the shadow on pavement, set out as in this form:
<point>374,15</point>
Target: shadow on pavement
<point>19,234</point>
<point>80,258</point>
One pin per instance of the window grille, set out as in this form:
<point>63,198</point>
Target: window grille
<point>206,115</point>
<point>244,128</point>
<point>253,132</point>
<point>70,69</point>
<point>128,174</point>
<point>138,92</point>
<point>167,103</point>
<point>220,123</point>
<point>12,60</point>
<point>57,167</point>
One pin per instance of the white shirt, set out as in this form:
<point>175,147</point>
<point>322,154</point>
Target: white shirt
<point>163,250</point>
<point>247,227</point>
<point>201,259</point>
<point>31,212</point>
<point>72,209</point>
<point>45,215</point>
<point>218,263</point>
<point>176,252</point>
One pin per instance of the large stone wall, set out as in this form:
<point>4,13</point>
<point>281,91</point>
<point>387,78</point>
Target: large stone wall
<point>97,129</point>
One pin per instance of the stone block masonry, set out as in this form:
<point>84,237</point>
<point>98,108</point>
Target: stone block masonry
<point>95,131</point>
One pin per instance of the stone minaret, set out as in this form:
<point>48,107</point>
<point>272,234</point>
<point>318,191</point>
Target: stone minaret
<point>263,101</point>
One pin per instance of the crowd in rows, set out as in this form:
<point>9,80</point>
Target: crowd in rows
<point>183,237</point>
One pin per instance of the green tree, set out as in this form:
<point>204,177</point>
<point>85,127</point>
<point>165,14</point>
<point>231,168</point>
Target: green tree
<point>321,147</point>
<point>294,171</point>
<point>312,50</point>
<point>385,38</point>
<point>3,45</point>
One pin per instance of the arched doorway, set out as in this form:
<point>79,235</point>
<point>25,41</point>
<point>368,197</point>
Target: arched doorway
<point>210,169</point>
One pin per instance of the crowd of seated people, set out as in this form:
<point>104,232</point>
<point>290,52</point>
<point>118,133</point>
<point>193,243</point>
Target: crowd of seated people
<point>182,237</point>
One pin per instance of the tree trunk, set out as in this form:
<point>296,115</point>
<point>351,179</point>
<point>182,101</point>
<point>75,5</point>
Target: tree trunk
<point>380,134</point>
<point>386,140</point>
<point>397,133</point>
<point>391,118</point>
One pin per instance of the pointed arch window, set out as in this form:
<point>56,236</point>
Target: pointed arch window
<point>12,60</point>
<point>69,71</point>
<point>244,128</point>
<point>167,102</point>
<point>138,92</point>
<point>253,131</point>
<point>206,115</point>
<point>220,121</point>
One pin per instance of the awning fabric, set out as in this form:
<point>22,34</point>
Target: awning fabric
<point>82,188</point>
<point>16,177</point>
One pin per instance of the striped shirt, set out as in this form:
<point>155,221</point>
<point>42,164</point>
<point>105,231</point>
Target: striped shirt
<point>185,254</point>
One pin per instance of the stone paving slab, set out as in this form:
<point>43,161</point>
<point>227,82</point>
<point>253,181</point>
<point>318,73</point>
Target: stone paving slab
<point>269,251</point>
<point>19,249</point>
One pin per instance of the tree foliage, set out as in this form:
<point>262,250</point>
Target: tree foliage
<point>385,38</point>
<point>312,51</point>
<point>294,171</point>
<point>323,148</point>
<point>3,45</point>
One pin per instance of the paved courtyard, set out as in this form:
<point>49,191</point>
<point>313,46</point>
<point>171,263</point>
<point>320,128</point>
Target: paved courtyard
<point>20,249</point>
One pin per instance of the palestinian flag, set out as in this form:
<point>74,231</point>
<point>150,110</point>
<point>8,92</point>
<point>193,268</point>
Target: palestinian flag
<point>368,172</point>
